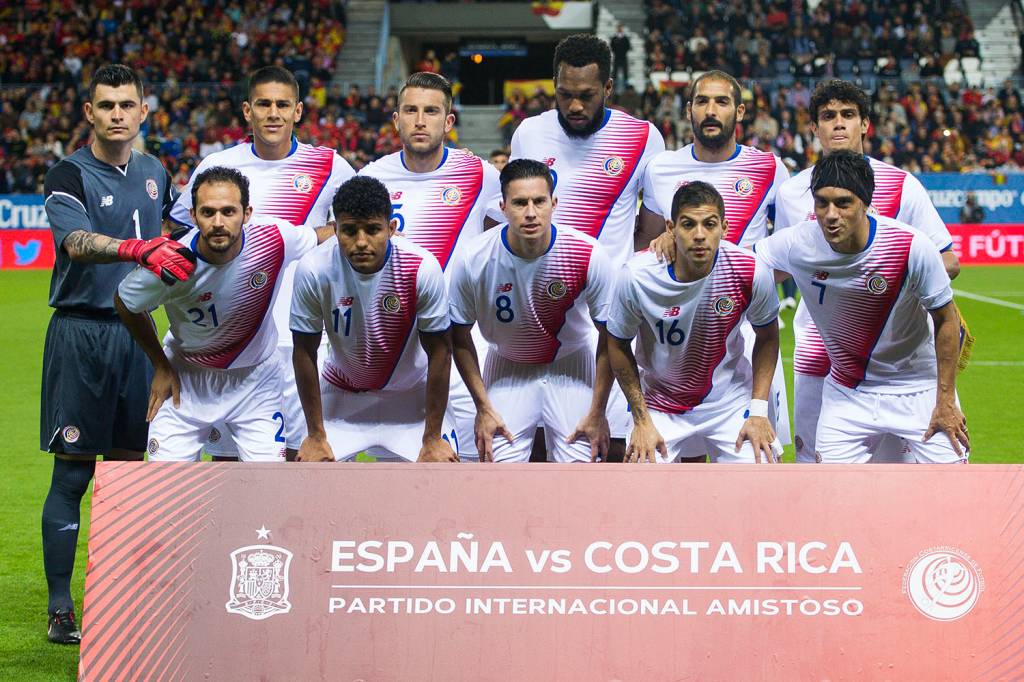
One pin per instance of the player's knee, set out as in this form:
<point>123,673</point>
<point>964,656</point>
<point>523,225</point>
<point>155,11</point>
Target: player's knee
<point>71,477</point>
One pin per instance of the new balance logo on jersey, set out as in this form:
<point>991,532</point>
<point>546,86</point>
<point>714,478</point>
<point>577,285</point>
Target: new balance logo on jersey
<point>395,196</point>
<point>203,298</point>
<point>504,288</point>
<point>107,200</point>
<point>820,275</point>
<point>345,301</point>
<point>549,162</point>
<point>672,312</point>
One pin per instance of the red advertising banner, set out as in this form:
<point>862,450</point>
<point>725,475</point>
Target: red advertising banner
<point>26,249</point>
<point>554,572</point>
<point>988,244</point>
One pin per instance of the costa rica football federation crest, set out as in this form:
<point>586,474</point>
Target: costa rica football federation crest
<point>259,580</point>
<point>877,285</point>
<point>557,289</point>
<point>302,183</point>
<point>450,195</point>
<point>259,279</point>
<point>151,189</point>
<point>724,306</point>
<point>613,165</point>
<point>391,303</point>
<point>744,186</point>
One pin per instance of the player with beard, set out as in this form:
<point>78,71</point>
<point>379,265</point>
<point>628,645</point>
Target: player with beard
<point>839,117</point>
<point>746,178</point>
<point>598,157</point>
<point>441,198</point>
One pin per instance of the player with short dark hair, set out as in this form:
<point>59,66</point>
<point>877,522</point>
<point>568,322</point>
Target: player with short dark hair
<point>871,284</point>
<point>498,159</point>
<point>840,113</point>
<point>106,204</point>
<point>697,386</point>
<point>530,287</point>
<point>383,389</point>
<point>441,198</point>
<point>598,157</point>
<point>290,181</point>
<point>219,360</point>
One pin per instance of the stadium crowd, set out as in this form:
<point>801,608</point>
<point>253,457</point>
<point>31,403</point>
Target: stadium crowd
<point>896,51</point>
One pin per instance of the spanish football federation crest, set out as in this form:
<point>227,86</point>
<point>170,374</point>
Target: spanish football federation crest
<point>259,581</point>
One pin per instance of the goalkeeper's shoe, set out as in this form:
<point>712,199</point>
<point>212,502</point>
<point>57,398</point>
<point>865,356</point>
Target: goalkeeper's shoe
<point>61,628</point>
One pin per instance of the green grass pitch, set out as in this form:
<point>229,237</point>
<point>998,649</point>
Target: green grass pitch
<point>989,392</point>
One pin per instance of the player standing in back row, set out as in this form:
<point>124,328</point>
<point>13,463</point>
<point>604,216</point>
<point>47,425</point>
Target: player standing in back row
<point>839,118</point>
<point>105,204</point>
<point>288,181</point>
<point>441,198</point>
<point>598,157</point>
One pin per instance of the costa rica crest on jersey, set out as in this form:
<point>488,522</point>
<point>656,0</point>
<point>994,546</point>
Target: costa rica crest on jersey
<point>391,303</point>
<point>151,188</point>
<point>613,165</point>
<point>744,186</point>
<point>556,289</point>
<point>259,581</point>
<point>450,195</point>
<point>724,306</point>
<point>258,280</point>
<point>877,285</point>
<point>302,183</point>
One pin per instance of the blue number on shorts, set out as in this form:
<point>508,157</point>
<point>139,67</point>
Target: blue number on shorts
<point>200,315</point>
<point>279,436</point>
<point>673,337</point>
<point>821,294</point>
<point>337,314</point>
<point>452,439</point>
<point>504,311</point>
<point>395,215</point>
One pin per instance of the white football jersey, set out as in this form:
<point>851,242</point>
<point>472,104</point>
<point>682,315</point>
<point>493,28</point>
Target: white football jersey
<point>370,319</point>
<point>219,317</point>
<point>869,307</point>
<point>533,311</point>
<point>898,195</point>
<point>443,209</point>
<point>691,347</point>
<point>748,183</point>
<point>598,178</point>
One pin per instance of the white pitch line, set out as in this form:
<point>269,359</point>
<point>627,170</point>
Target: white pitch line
<point>600,588</point>
<point>988,299</point>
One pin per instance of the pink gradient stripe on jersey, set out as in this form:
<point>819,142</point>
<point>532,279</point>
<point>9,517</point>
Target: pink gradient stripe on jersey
<point>687,383</point>
<point>602,175</point>
<point>742,201</point>
<point>858,315</point>
<point>298,184</point>
<point>888,196</point>
<point>446,209</point>
<point>262,259</point>
<point>378,347</point>
<point>810,356</point>
<point>537,327</point>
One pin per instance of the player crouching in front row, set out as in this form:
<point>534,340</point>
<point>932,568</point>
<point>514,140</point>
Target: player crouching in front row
<point>700,393</point>
<point>219,359</point>
<point>868,282</point>
<point>530,285</point>
<point>384,389</point>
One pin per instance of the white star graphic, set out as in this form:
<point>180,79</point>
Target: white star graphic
<point>262,533</point>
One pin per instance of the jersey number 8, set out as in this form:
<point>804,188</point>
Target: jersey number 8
<point>504,311</point>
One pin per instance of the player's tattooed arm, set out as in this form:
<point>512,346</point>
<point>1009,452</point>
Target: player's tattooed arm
<point>314,447</point>
<point>165,378</point>
<point>946,416</point>
<point>645,440</point>
<point>757,428</point>
<point>438,348</point>
<point>488,421</point>
<point>91,247</point>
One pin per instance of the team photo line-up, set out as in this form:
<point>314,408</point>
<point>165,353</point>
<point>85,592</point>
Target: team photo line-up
<point>315,314</point>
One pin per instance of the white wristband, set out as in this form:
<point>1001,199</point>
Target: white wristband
<point>757,408</point>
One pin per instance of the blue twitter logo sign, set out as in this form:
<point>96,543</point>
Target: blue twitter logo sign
<point>27,253</point>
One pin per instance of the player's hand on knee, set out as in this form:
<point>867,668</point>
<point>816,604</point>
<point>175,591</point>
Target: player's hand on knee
<point>663,247</point>
<point>950,420</point>
<point>165,385</point>
<point>164,257</point>
<point>759,431</point>
<point>489,424</point>
<point>645,443</point>
<point>437,450</point>
<point>593,427</point>
<point>315,449</point>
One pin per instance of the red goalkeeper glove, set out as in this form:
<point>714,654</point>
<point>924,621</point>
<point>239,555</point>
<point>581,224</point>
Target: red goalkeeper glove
<point>164,257</point>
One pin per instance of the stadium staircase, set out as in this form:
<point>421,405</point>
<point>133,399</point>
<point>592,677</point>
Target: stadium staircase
<point>478,128</point>
<point>632,16</point>
<point>357,61</point>
<point>997,33</point>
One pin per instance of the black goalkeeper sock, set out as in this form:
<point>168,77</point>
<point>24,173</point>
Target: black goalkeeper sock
<point>61,515</point>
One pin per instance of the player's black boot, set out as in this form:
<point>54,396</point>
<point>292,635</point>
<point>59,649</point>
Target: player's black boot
<point>61,628</point>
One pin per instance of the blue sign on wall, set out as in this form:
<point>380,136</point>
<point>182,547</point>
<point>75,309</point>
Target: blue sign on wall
<point>1003,202</point>
<point>22,212</point>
